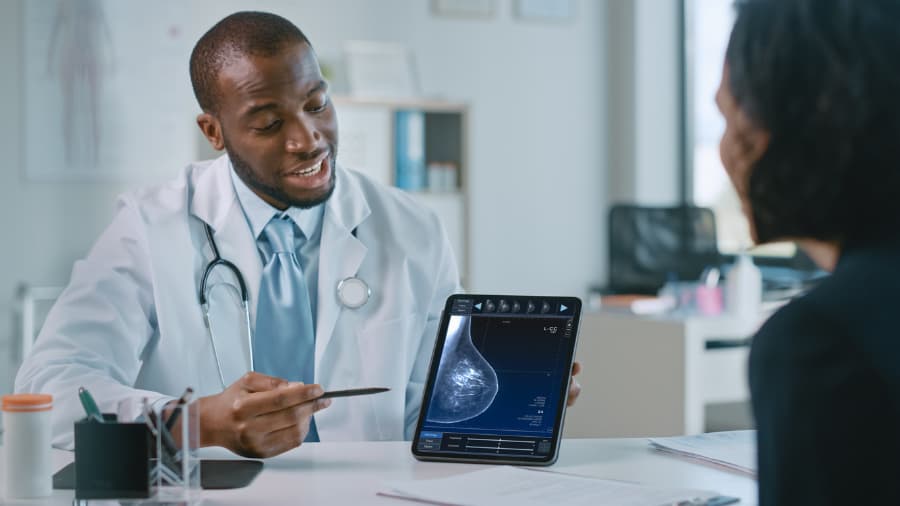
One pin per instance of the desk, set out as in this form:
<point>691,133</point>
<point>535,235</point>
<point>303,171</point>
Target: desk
<point>351,473</point>
<point>653,375</point>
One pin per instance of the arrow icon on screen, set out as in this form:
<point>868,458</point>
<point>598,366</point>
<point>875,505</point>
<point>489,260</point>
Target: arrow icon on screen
<point>478,306</point>
<point>563,307</point>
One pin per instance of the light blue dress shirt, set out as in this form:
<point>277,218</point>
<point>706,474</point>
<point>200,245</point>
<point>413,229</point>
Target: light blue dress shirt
<point>258,212</point>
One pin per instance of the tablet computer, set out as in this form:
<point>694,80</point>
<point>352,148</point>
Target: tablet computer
<point>499,380</point>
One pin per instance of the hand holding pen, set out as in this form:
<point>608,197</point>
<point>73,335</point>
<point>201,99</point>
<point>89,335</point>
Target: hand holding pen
<point>259,415</point>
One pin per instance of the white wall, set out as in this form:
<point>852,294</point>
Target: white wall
<point>644,47</point>
<point>45,225</point>
<point>538,139</point>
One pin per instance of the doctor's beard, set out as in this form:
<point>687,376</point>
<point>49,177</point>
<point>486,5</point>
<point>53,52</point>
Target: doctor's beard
<point>248,176</point>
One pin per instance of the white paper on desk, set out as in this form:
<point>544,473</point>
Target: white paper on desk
<point>734,449</point>
<point>512,486</point>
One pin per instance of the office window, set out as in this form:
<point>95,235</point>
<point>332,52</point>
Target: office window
<point>707,27</point>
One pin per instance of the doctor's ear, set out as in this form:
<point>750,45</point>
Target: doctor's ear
<point>212,130</point>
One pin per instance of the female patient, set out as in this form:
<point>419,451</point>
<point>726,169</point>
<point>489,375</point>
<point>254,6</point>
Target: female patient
<point>811,97</point>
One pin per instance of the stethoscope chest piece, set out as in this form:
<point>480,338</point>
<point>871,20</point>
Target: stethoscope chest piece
<point>353,292</point>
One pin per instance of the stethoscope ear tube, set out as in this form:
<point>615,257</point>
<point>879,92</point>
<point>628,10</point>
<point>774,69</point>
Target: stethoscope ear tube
<point>204,300</point>
<point>212,342</point>
<point>216,261</point>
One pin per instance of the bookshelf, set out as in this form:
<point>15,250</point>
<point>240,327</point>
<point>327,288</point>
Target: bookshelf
<point>416,145</point>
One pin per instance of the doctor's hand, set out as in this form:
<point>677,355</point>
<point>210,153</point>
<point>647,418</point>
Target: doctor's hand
<point>259,415</point>
<point>574,386</point>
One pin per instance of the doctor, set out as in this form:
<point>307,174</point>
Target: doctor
<point>345,279</point>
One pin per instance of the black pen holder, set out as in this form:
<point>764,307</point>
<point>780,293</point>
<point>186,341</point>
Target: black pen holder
<point>113,459</point>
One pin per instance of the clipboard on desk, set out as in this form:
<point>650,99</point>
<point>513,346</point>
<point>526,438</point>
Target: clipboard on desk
<point>214,474</point>
<point>516,486</point>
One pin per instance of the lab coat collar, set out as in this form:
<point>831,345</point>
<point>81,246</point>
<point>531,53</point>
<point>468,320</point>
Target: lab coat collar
<point>213,196</point>
<point>214,202</point>
<point>259,212</point>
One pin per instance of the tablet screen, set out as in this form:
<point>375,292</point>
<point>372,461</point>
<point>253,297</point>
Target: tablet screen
<point>499,378</point>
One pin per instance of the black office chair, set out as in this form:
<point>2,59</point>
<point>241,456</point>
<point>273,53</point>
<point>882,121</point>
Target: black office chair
<point>650,245</point>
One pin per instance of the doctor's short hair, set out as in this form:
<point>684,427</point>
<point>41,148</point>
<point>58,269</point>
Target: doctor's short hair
<point>822,77</point>
<point>240,34</point>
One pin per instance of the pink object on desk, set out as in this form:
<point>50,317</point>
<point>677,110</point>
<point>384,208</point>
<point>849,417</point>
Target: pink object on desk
<point>709,300</point>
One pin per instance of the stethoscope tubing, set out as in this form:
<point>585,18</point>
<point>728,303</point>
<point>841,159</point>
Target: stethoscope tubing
<point>217,261</point>
<point>204,301</point>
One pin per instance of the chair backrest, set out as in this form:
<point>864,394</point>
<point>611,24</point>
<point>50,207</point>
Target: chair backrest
<point>649,245</point>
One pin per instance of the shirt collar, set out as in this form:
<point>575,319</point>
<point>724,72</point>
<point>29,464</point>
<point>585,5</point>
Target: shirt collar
<point>259,212</point>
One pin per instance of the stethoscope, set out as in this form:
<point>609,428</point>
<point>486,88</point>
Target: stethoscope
<point>352,292</point>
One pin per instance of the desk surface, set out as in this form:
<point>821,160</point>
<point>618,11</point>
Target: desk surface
<point>351,473</point>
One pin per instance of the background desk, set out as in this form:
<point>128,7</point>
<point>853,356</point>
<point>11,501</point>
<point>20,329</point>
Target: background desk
<point>351,473</point>
<point>654,376</point>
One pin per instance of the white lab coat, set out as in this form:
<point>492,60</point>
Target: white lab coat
<point>129,324</point>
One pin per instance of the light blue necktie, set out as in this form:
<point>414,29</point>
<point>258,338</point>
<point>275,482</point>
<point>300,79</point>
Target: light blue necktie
<point>285,344</point>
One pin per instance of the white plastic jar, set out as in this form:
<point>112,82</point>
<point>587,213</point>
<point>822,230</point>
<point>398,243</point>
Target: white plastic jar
<point>27,458</point>
<point>743,290</point>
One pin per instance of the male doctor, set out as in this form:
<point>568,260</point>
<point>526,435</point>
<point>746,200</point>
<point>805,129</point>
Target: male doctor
<point>296,227</point>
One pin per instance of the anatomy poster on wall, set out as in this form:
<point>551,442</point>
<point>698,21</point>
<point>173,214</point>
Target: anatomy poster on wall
<point>106,90</point>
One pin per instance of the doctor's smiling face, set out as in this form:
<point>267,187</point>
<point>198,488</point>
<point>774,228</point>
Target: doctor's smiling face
<point>276,121</point>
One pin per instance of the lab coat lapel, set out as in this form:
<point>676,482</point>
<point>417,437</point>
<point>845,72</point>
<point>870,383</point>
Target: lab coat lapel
<point>340,254</point>
<point>215,202</point>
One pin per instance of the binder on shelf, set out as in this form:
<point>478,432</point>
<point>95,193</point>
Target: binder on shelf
<point>410,150</point>
<point>443,177</point>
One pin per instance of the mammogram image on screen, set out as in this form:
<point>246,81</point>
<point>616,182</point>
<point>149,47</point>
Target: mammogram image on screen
<point>500,374</point>
<point>466,383</point>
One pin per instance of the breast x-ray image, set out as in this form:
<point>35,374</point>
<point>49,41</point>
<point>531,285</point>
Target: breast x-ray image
<point>466,384</point>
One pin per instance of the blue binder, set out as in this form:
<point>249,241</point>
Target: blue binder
<point>409,136</point>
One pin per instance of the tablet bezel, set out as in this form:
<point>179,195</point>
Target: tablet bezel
<point>555,438</point>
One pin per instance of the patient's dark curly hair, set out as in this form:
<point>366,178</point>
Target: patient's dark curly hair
<point>823,77</point>
<point>240,34</point>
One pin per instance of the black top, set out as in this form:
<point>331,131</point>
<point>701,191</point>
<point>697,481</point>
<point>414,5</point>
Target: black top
<point>825,381</point>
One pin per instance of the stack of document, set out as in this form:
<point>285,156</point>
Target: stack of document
<point>734,450</point>
<point>511,486</point>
